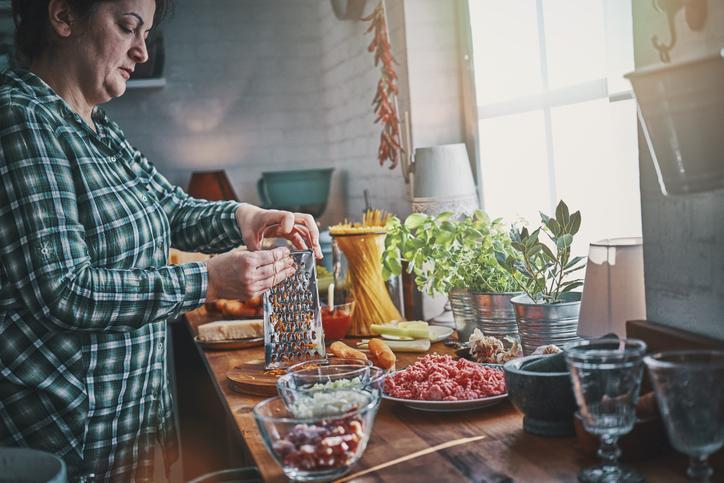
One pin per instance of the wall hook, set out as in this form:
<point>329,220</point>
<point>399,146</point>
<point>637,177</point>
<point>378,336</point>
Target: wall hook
<point>695,12</point>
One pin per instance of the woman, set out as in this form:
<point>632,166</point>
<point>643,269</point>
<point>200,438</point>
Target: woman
<point>86,223</point>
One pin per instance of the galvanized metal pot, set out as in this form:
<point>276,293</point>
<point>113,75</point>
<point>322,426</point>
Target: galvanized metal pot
<point>542,324</point>
<point>461,301</point>
<point>494,315</point>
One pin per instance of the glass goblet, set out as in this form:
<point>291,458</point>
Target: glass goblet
<point>606,376</point>
<point>689,389</point>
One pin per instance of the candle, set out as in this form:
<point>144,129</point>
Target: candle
<point>330,297</point>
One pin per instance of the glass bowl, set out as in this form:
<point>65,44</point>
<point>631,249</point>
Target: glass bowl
<point>331,369</point>
<point>293,390</point>
<point>316,448</point>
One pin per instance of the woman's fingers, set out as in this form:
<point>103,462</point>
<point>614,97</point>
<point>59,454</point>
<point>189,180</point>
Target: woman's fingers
<point>265,257</point>
<point>276,278</point>
<point>298,241</point>
<point>286,223</point>
<point>307,221</point>
<point>267,271</point>
<point>242,274</point>
<point>299,228</point>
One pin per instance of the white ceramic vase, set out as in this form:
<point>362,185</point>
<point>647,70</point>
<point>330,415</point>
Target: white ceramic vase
<point>443,180</point>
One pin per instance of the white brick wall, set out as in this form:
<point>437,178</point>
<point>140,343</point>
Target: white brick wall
<point>243,92</point>
<point>683,237</point>
<point>349,82</point>
<point>256,85</point>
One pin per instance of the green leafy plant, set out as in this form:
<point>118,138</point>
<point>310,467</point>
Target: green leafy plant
<point>542,273</point>
<point>482,273</point>
<point>446,253</point>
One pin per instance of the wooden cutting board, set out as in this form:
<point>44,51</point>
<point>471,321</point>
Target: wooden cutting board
<point>251,378</point>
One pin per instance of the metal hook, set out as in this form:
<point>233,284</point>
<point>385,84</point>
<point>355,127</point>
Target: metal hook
<point>695,12</point>
<point>670,7</point>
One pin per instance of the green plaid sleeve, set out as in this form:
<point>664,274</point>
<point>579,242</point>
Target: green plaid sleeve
<point>43,248</point>
<point>196,225</point>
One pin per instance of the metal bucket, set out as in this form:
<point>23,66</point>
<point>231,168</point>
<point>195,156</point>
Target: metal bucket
<point>543,324</point>
<point>494,315</point>
<point>461,301</point>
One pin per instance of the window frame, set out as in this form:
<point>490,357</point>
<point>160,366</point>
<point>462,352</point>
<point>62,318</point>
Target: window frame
<point>544,101</point>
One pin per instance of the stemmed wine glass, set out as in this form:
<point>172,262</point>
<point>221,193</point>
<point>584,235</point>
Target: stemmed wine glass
<point>689,389</point>
<point>606,375</point>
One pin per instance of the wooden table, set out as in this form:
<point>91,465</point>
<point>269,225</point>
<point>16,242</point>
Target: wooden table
<point>506,453</point>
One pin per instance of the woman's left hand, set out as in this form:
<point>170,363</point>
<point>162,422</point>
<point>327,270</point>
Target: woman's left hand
<point>299,228</point>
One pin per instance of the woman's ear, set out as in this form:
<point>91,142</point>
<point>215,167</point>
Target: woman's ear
<point>61,17</point>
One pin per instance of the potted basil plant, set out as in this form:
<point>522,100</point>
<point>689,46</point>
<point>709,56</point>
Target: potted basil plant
<point>492,287</point>
<point>448,256</point>
<point>547,312</point>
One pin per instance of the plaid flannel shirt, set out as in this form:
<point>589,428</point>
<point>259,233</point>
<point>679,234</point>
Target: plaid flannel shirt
<point>86,223</point>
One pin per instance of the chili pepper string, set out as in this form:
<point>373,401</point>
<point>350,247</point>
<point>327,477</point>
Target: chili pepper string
<point>384,103</point>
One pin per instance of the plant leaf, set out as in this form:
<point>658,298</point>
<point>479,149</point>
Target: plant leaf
<point>562,215</point>
<point>554,227</point>
<point>575,223</point>
<point>564,241</point>
<point>573,261</point>
<point>548,252</point>
<point>444,216</point>
<point>415,220</point>
<point>570,286</point>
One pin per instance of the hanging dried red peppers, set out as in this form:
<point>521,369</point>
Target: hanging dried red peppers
<point>385,101</point>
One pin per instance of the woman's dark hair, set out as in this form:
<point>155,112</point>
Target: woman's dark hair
<point>32,24</point>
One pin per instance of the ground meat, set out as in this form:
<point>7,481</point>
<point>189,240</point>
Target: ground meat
<point>436,377</point>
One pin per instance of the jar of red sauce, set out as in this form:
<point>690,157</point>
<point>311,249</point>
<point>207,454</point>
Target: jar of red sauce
<point>337,321</point>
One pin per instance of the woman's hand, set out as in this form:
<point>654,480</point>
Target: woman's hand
<point>299,228</point>
<point>240,274</point>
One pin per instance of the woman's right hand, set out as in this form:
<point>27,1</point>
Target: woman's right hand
<point>241,274</point>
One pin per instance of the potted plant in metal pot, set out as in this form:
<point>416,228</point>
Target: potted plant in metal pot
<point>434,249</point>
<point>450,256</point>
<point>547,313</point>
<point>492,287</point>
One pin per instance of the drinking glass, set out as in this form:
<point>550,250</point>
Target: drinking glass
<point>606,376</point>
<point>689,389</point>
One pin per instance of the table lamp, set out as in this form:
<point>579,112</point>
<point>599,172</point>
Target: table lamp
<point>211,186</point>
<point>613,291</point>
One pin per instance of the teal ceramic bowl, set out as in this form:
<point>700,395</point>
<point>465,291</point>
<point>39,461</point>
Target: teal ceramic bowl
<point>302,190</point>
<point>31,465</point>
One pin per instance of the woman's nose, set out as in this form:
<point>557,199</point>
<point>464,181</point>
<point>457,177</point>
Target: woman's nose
<point>139,52</point>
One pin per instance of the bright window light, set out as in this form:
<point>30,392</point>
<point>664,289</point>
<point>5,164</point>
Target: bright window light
<point>556,120</point>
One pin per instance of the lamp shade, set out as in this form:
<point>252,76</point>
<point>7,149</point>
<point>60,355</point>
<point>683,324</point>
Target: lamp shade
<point>614,290</point>
<point>211,185</point>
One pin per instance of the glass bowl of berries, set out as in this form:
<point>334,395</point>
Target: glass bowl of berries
<point>321,439</point>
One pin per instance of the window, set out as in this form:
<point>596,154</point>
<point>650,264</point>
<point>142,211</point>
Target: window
<point>556,119</point>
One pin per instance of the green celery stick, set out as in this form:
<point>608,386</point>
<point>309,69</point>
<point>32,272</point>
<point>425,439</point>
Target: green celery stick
<point>415,333</point>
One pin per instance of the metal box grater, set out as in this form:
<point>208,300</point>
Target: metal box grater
<point>292,319</point>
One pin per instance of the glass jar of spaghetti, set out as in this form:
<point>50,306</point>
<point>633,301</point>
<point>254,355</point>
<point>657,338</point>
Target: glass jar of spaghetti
<point>357,271</point>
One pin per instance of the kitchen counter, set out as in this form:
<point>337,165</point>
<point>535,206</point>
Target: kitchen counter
<point>505,453</point>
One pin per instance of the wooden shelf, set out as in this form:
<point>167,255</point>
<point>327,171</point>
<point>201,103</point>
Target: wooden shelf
<point>146,83</point>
